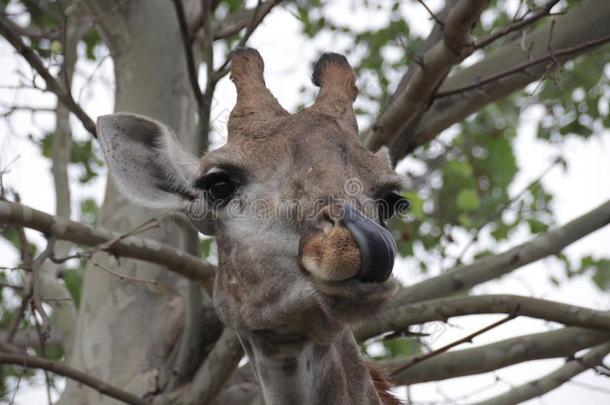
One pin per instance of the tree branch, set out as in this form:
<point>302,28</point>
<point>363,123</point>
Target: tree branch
<point>466,339</point>
<point>132,247</point>
<point>401,317</point>
<point>491,267</point>
<point>24,360</point>
<point>435,36</point>
<point>551,56</point>
<point>558,343</point>
<point>516,26</point>
<point>260,12</point>
<point>215,370</point>
<point>53,84</point>
<point>437,63</point>
<point>584,24</point>
<point>188,50</point>
<point>541,386</point>
<point>238,21</point>
<point>64,312</point>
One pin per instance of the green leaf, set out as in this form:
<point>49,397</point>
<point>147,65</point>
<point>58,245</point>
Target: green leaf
<point>462,169</point>
<point>402,347</point>
<point>468,200</point>
<point>89,211</point>
<point>73,280</point>
<point>206,247</point>
<point>536,226</point>
<point>417,204</point>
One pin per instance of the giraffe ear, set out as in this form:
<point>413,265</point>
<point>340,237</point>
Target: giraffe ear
<point>146,162</point>
<point>384,154</point>
<point>337,82</point>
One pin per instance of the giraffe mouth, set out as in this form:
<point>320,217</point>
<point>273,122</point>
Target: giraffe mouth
<point>376,244</point>
<point>350,246</point>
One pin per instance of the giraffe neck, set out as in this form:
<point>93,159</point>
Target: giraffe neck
<point>294,370</point>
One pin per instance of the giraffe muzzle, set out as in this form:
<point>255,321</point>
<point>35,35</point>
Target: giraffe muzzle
<point>376,244</point>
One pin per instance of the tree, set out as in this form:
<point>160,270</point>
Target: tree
<point>130,315</point>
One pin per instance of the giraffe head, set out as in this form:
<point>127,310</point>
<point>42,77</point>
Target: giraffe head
<point>297,204</point>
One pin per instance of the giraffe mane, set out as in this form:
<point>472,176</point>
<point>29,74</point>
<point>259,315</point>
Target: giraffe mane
<point>383,384</point>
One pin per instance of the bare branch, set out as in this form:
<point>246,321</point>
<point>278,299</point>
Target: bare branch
<point>545,345</point>
<point>34,32</point>
<point>437,63</point>
<point>215,370</point>
<point>188,50</point>
<point>36,300</point>
<point>435,36</point>
<point>551,56</point>
<point>11,109</point>
<point>497,213</point>
<point>238,21</point>
<point>259,14</point>
<point>585,23</point>
<point>432,15</point>
<point>19,359</point>
<point>64,311</point>
<point>27,263</point>
<point>22,340</point>
<point>133,247</point>
<point>401,317</point>
<point>549,382</point>
<point>466,339</point>
<point>122,277</point>
<point>53,84</point>
<point>491,267</point>
<point>516,26</point>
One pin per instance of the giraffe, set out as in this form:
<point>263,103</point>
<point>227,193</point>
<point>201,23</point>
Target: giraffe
<point>298,208</point>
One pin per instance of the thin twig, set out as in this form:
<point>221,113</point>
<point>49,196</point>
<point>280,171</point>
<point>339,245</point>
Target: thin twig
<point>233,24</point>
<point>16,319</point>
<point>17,215</point>
<point>432,15</point>
<point>122,277</point>
<point>467,339</point>
<point>254,23</point>
<point>10,286</point>
<point>523,66</point>
<point>152,223</point>
<point>188,51</point>
<point>102,387</point>
<point>53,84</point>
<point>27,261</point>
<point>498,212</point>
<point>516,26</point>
<point>36,301</point>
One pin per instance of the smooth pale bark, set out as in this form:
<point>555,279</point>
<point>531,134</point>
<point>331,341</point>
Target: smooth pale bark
<point>408,105</point>
<point>546,345</point>
<point>549,382</point>
<point>134,247</point>
<point>126,331</point>
<point>63,319</point>
<point>399,318</point>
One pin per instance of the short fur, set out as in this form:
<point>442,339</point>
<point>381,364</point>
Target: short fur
<point>292,319</point>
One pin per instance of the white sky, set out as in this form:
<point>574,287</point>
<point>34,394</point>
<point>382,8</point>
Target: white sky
<point>289,57</point>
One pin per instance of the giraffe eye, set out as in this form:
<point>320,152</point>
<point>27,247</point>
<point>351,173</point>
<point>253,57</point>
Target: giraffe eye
<point>391,204</point>
<point>218,187</point>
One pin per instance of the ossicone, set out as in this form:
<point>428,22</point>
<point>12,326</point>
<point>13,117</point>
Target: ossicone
<point>256,107</point>
<point>337,82</point>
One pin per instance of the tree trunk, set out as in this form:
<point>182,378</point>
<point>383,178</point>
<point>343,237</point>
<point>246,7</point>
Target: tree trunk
<point>126,329</point>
